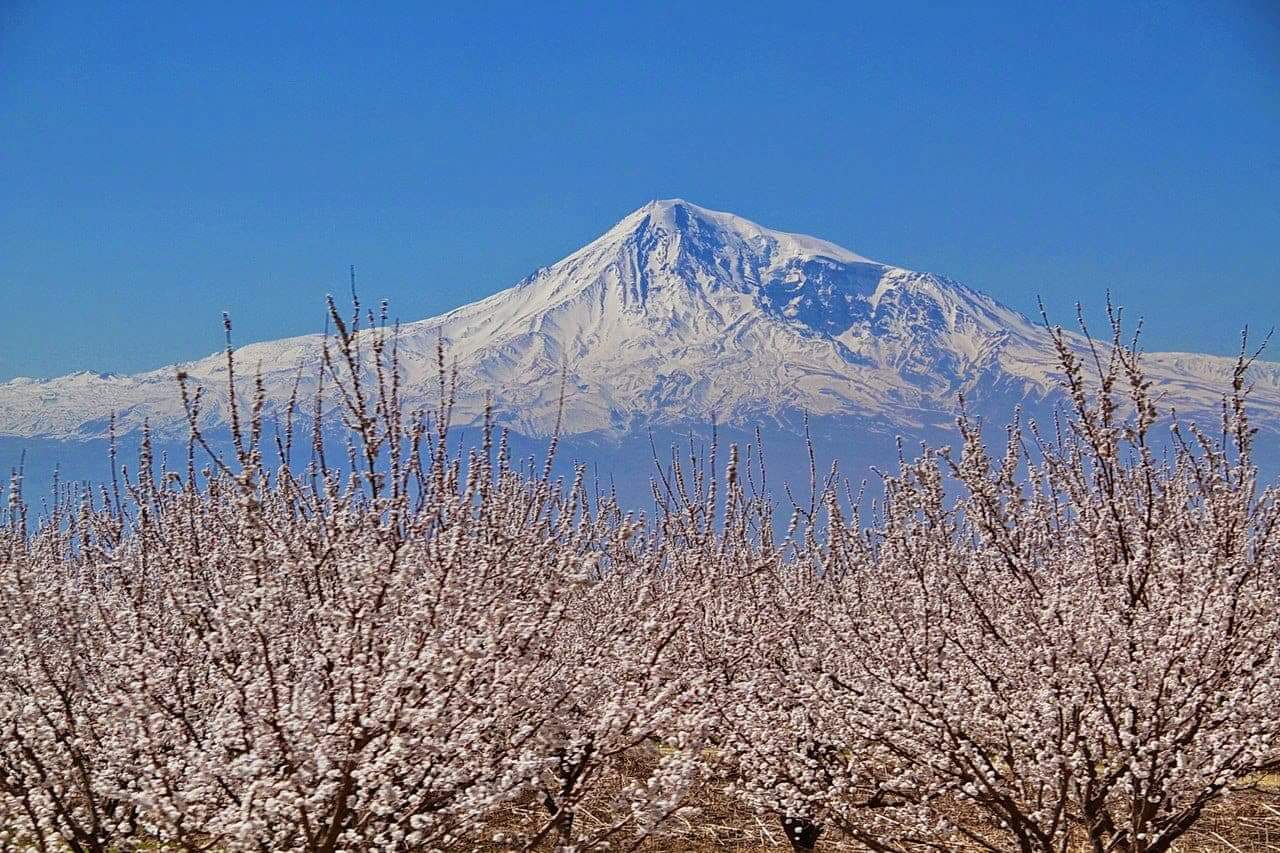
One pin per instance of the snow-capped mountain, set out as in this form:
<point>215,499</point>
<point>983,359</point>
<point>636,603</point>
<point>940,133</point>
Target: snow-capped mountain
<point>677,314</point>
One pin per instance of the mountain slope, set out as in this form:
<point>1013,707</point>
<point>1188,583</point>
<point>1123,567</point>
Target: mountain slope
<point>678,314</point>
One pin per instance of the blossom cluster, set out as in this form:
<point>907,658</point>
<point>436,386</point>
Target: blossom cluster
<point>1073,642</point>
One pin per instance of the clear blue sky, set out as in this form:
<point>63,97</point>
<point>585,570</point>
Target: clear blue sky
<point>161,162</point>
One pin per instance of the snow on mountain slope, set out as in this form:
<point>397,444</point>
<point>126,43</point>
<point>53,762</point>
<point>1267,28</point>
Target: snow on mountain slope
<point>676,314</point>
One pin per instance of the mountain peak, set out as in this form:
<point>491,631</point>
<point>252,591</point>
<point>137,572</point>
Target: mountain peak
<point>673,215</point>
<point>714,228</point>
<point>670,204</point>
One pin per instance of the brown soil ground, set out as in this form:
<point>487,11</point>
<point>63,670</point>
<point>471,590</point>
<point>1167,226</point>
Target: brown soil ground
<point>1243,822</point>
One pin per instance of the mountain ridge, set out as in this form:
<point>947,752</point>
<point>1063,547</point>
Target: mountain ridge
<point>676,314</point>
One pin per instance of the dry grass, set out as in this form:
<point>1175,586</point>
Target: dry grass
<point>1247,821</point>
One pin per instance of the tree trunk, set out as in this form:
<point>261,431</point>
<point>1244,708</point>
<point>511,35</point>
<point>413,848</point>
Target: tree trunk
<point>801,832</point>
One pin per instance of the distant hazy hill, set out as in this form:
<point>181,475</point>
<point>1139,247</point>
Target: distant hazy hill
<point>676,316</point>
